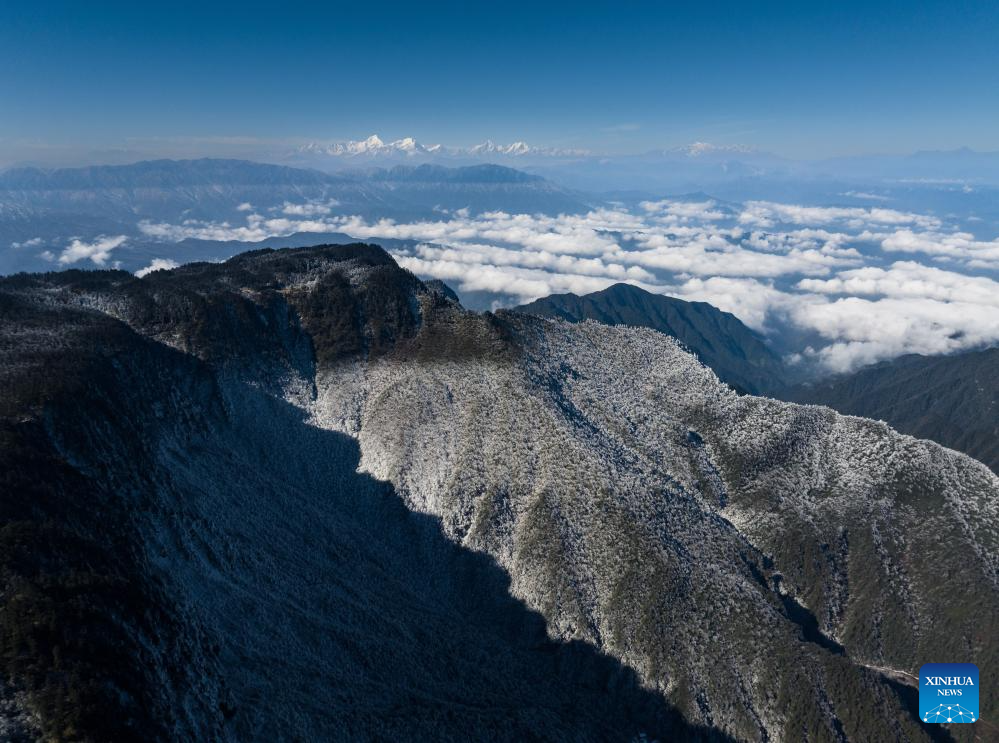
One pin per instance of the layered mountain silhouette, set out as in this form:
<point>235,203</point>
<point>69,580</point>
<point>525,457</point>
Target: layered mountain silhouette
<point>719,339</point>
<point>303,495</point>
<point>214,187</point>
<point>953,400</point>
<point>47,208</point>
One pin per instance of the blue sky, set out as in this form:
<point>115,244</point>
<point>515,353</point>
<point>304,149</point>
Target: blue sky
<point>800,79</point>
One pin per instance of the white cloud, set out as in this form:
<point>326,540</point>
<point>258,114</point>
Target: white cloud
<point>309,209</point>
<point>684,211</point>
<point>158,264</point>
<point>704,259</point>
<point>778,267</point>
<point>960,245</point>
<point>524,283</point>
<point>751,300</point>
<point>98,251</point>
<point>475,255</point>
<point>907,279</point>
<point>32,243</point>
<point>246,206</point>
<point>862,331</point>
<point>768,214</point>
<point>865,195</point>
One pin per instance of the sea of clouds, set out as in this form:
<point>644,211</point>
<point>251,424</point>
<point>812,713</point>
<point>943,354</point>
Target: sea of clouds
<point>860,284</point>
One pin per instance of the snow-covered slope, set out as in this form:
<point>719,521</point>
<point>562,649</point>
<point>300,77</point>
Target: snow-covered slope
<point>737,552</point>
<point>355,510</point>
<point>953,400</point>
<point>720,340</point>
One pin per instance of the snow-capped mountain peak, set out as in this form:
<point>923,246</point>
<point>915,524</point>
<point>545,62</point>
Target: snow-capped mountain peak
<point>491,148</point>
<point>519,148</point>
<point>407,144</point>
<point>374,146</point>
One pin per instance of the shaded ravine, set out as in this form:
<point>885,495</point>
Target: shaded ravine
<point>311,603</point>
<point>423,631</point>
<point>902,683</point>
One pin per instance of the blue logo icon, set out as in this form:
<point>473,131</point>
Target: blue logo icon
<point>948,692</point>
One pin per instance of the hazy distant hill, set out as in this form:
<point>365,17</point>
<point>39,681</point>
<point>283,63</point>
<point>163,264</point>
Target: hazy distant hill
<point>440,174</point>
<point>159,187</point>
<point>48,208</point>
<point>719,339</point>
<point>475,187</point>
<point>953,400</point>
<point>114,198</point>
<point>161,174</point>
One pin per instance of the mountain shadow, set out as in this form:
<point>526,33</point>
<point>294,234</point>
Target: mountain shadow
<point>190,558</point>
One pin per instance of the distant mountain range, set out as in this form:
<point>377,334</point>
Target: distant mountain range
<point>302,495</point>
<point>953,400</point>
<point>733,171</point>
<point>440,174</point>
<point>684,168</point>
<point>484,187</point>
<point>51,206</point>
<point>962,162</point>
<point>729,171</point>
<point>707,149</point>
<point>374,147</point>
<point>143,180</point>
<point>161,174</point>
<point>719,339</point>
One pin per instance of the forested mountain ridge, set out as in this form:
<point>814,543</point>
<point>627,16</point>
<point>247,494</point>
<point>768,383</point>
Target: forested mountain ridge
<point>953,400</point>
<point>302,494</point>
<point>719,339</point>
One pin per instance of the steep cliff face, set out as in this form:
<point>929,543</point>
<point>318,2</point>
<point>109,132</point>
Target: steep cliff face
<point>300,494</point>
